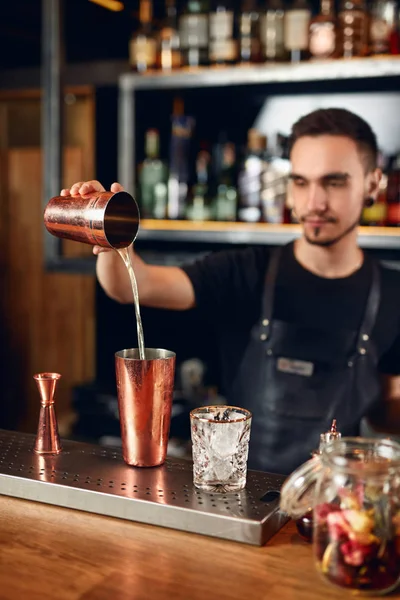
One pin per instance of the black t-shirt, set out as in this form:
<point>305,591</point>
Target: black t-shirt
<point>229,286</point>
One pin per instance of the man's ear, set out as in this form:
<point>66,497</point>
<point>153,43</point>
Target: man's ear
<point>372,184</point>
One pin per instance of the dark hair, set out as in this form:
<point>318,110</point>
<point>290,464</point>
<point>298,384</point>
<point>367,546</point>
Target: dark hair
<point>339,121</point>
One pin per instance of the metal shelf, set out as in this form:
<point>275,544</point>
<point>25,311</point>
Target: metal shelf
<point>356,68</point>
<point>382,238</point>
<point>130,83</point>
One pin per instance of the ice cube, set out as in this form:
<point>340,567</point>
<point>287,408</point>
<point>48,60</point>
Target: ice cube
<point>223,469</point>
<point>225,439</point>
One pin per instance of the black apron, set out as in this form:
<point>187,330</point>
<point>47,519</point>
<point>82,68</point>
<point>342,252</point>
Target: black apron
<point>296,379</point>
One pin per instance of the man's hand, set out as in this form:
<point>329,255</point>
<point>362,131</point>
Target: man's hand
<point>88,187</point>
<point>159,287</point>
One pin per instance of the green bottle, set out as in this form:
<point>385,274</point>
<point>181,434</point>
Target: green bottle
<point>153,178</point>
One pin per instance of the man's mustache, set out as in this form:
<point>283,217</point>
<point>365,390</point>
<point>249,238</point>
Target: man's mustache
<point>321,217</point>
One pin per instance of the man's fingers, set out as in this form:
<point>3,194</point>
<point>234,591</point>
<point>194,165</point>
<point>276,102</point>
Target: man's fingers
<point>99,250</point>
<point>116,187</point>
<point>76,187</point>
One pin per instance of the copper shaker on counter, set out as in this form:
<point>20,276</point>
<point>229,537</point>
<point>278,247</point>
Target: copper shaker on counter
<point>99,218</point>
<point>145,391</point>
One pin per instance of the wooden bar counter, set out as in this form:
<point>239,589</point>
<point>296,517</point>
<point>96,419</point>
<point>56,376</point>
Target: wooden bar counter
<point>51,553</point>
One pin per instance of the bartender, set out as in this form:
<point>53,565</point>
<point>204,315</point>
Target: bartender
<point>307,332</point>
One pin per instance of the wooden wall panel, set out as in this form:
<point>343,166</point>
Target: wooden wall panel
<point>52,316</point>
<point>20,127</point>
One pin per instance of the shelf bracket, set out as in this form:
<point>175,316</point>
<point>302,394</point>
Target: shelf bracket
<point>51,78</point>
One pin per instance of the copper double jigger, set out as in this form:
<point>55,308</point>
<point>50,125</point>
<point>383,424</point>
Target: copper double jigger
<point>47,438</point>
<point>99,218</point>
<point>145,389</point>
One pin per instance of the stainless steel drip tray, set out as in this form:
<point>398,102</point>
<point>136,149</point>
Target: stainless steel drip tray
<point>96,479</point>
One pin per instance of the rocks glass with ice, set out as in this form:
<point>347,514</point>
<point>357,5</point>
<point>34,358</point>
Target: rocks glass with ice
<point>220,446</point>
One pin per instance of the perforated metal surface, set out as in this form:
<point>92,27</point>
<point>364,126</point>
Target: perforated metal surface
<point>95,479</point>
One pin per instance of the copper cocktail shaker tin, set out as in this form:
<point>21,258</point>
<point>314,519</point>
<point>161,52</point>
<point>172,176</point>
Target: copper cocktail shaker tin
<point>145,390</point>
<point>99,218</point>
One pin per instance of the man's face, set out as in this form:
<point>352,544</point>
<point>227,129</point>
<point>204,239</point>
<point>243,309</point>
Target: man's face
<point>328,186</point>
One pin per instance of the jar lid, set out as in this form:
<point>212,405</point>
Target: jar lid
<point>297,492</point>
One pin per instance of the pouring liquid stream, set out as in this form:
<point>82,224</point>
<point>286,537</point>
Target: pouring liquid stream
<point>124,254</point>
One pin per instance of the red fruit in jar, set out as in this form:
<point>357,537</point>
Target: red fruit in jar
<point>322,511</point>
<point>338,526</point>
<point>356,554</point>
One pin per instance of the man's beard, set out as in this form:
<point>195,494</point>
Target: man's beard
<point>332,241</point>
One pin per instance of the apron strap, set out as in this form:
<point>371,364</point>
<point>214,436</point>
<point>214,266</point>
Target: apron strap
<point>269,292</point>
<point>371,310</point>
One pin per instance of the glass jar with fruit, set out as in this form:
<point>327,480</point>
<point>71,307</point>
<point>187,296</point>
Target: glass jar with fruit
<point>353,488</point>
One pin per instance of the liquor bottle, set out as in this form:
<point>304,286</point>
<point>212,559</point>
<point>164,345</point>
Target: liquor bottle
<point>249,33</point>
<point>305,523</point>
<point>382,23</point>
<point>393,193</point>
<point>222,45</point>
<point>249,181</point>
<point>225,203</point>
<point>169,49</point>
<point>394,43</point>
<point>376,215</point>
<point>272,31</point>
<point>353,29</point>
<point>143,43</point>
<point>322,36</point>
<point>179,157</point>
<point>199,206</point>
<point>152,173</point>
<point>193,32</point>
<point>274,182</point>
<point>296,28</point>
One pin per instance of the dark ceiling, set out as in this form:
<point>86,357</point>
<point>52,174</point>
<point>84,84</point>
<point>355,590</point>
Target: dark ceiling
<point>91,32</point>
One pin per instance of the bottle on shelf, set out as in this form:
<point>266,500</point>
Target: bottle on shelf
<point>394,42</point>
<point>296,29</point>
<point>222,42</point>
<point>272,31</point>
<point>250,178</point>
<point>179,157</point>
<point>322,36</point>
<point>305,523</point>
<point>376,214</point>
<point>193,32</point>
<point>153,177</point>
<point>393,193</point>
<point>249,33</point>
<point>225,202</point>
<point>199,206</point>
<point>381,25</point>
<point>353,29</point>
<point>274,180</point>
<point>143,43</point>
<point>169,56</point>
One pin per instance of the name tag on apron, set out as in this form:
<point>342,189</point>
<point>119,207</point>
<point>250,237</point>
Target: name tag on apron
<point>295,367</point>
